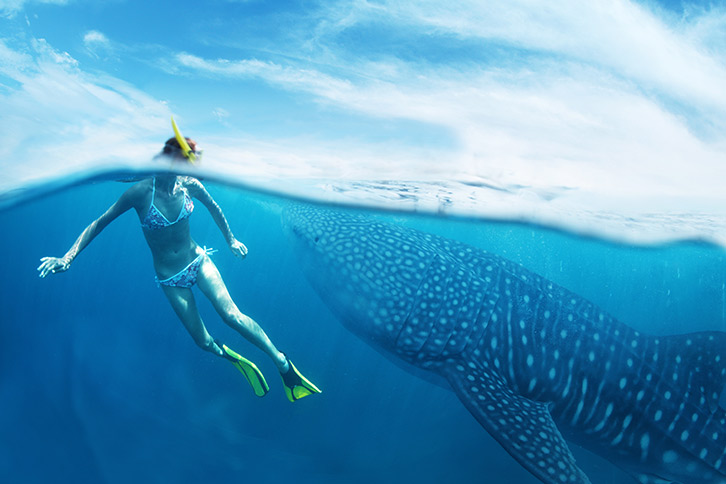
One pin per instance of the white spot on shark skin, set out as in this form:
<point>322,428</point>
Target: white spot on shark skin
<point>532,384</point>
<point>644,445</point>
<point>669,457</point>
<point>608,412</point>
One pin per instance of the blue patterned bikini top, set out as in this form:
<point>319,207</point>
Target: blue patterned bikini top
<point>156,220</point>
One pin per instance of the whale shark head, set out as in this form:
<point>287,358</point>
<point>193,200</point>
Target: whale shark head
<point>366,272</point>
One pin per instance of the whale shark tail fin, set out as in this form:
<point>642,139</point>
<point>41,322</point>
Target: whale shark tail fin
<point>523,427</point>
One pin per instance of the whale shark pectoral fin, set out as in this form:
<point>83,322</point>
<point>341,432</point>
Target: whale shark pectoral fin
<point>523,427</point>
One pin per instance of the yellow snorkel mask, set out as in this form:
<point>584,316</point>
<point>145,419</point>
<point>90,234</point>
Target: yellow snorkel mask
<point>188,153</point>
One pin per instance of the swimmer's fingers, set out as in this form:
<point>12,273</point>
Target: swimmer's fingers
<point>239,249</point>
<point>51,265</point>
<point>44,267</point>
<point>42,262</point>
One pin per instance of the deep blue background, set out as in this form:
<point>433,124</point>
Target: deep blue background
<point>99,382</point>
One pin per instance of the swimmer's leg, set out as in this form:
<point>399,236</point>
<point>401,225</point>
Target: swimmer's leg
<point>211,284</point>
<point>185,307</point>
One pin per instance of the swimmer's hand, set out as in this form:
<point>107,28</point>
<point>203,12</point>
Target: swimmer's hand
<point>238,248</point>
<point>52,265</point>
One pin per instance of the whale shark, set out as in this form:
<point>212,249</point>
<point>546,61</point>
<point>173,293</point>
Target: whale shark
<point>536,365</point>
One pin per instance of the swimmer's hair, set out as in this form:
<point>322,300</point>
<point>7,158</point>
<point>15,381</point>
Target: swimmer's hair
<point>172,148</point>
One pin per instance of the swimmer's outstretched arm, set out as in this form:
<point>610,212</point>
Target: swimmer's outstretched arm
<point>197,190</point>
<point>52,265</point>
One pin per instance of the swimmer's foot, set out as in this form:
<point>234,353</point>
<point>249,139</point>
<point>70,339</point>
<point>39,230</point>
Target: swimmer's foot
<point>250,371</point>
<point>296,385</point>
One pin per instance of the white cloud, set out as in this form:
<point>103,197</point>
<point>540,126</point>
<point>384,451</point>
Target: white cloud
<point>580,100</point>
<point>619,36</point>
<point>9,8</point>
<point>290,77</point>
<point>59,120</point>
<point>220,113</point>
<point>617,99</point>
<point>99,46</point>
<point>94,37</point>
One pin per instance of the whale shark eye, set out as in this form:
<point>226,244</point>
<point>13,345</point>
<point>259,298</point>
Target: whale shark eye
<point>317,239</point>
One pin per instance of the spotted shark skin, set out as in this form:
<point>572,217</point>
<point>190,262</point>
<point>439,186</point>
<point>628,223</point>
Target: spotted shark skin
<point>535,364</point>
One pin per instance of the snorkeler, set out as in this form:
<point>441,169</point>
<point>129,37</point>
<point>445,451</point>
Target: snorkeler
<point>180,263</point>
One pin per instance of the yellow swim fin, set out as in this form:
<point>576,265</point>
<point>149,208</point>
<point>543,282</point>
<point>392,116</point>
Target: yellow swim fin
<point>296,385</point>
<point>250,371</point>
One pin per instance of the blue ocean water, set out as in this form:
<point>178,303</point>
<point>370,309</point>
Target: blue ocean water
<point>100,383</point>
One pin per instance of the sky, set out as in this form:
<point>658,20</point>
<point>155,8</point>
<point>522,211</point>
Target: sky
<point>606,99</point>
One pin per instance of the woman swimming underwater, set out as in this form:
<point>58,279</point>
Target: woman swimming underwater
<point>164,204</point>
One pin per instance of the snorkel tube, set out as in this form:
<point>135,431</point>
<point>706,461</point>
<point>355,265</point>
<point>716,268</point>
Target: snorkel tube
<point>186,150</point>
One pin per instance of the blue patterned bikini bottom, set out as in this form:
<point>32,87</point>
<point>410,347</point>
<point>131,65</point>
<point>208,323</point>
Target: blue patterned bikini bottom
<point>186,277</point>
